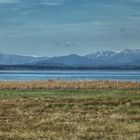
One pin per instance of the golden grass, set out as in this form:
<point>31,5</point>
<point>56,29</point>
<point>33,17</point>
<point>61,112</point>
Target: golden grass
<point>50,84</point>
<point>66,118</point>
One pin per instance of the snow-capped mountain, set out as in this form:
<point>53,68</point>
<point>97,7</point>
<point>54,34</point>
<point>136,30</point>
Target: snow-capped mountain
<point>97,59</point>
<point>109,58</point>
<point>100,55</point>
<point>16,59</point>
<point>126,57</point>
<point>101,59</point>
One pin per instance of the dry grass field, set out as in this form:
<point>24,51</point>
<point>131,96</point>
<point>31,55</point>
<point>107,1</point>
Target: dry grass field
<point>51,84</point>
<point>76,114</point>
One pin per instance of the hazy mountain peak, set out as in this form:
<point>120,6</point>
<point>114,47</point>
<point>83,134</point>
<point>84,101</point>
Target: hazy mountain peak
<point>99,58</point>
<point>105,53</point>
<point>74,55</point>
<point>131,51</point>
<point>101,54</point>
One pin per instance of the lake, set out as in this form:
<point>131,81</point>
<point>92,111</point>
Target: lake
<point>71,75</point>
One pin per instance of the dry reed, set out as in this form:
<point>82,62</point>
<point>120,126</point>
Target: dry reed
<point>51,84</point>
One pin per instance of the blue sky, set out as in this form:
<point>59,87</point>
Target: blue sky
<point>61,27</point>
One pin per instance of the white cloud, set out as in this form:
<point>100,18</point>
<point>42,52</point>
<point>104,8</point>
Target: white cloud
<point>135,1</point>
<point>52,2</point>
<point>8,1</point>
<point>134,18</point>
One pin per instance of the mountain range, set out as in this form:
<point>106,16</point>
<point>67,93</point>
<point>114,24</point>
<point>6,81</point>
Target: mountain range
<point>126,59</point>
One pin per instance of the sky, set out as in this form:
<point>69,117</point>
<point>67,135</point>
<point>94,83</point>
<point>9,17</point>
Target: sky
<point>62,27</point>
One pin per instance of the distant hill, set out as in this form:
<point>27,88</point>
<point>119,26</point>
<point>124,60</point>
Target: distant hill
<point>126,59</point>
<point>16,59</point>
<point>70,60</point>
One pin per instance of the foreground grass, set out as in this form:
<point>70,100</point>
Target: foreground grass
<point>70,114</point>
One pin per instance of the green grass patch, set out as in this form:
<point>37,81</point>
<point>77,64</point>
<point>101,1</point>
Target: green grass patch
<point>70,114</point>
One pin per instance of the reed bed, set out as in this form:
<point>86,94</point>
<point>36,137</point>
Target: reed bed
<point>51,84</point>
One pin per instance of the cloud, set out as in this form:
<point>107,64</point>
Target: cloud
<point>67,44</point>
<point>134,1</point>
<point>124,29</point>
<point>52,2</point>
<point>44,2</point>
<point>134,18</point>
<point>8,1</point>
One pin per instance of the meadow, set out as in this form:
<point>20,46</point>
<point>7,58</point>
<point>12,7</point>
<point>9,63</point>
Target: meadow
<point>99,112</point>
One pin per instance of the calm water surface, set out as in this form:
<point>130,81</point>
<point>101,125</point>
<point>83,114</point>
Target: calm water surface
<point>71,75</point>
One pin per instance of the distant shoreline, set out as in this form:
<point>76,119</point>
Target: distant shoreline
<point>32,67</point>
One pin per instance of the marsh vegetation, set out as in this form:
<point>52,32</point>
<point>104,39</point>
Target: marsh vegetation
<point>83,114</point>
<point>53,84</point>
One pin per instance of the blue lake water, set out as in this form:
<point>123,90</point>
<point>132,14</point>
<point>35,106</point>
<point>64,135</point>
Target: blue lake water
<point>71,75</point>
